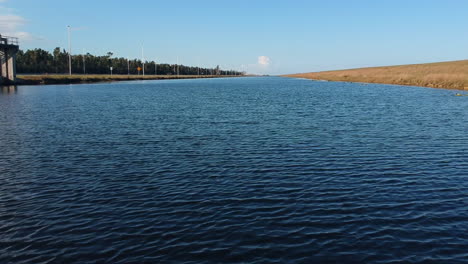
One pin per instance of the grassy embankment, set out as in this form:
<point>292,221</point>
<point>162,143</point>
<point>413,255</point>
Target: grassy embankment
<point>72,79</point>
<point>451,75</point>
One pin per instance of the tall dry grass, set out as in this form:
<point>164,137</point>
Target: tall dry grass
<point>452,75</point>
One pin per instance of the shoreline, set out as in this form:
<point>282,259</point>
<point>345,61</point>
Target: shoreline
<point>99,78</point>
<point>451,75</point>
<point>382,83</point>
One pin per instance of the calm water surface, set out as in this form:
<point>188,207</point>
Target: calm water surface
<point>247,170</point>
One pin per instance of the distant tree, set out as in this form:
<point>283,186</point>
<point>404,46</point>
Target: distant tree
<point>39,61</point>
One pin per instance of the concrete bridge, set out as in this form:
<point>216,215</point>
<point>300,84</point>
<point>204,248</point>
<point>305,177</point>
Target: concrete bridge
<point>8,48</point>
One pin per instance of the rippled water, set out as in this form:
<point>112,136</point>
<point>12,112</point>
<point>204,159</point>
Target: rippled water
<point>250,170</point>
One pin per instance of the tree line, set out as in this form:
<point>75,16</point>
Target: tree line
<point>39,61</point>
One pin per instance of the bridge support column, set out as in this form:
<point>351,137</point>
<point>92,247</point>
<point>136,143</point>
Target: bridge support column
<point>11,65</point>
<point>8,49</point>
<point>3,65</point>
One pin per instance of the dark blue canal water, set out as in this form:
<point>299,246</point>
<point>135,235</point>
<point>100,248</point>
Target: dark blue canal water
<point>246,170</point>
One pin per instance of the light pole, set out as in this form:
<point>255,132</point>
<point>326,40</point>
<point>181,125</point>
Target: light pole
<point>84,62</point>
<point>143,59</point>
<point>69,51</point>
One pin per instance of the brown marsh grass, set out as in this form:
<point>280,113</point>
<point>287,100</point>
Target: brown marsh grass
<point>451,75</point>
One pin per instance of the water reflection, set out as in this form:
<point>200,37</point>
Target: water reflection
<point>9,89</point>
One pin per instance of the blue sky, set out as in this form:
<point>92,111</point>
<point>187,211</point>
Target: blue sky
<point>271,37</point>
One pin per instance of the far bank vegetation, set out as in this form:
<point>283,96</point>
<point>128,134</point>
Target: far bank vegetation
<point>39,61</point>
<point>452,75</point>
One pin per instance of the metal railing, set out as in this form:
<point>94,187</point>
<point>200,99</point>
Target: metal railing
<point>5,40</point>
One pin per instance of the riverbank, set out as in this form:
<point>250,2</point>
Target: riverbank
<point>450,75</point>
<point>96,78</point>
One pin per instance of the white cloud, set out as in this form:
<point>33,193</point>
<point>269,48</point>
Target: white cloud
<point>263,65</point>
<point>25,36</point>
<point>11,24</point>
<point>264,60</point>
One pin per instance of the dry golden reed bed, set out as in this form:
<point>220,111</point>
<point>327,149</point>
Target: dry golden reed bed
<point>92,78</point>
<point>451,75</point>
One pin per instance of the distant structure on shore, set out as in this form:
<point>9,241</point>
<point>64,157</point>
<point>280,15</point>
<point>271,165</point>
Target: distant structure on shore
<point>9,47</point>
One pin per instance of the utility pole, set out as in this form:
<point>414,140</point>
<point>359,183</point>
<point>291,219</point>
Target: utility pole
<point>143,59</point>
<point>84,62</point>
<point>69,51</point>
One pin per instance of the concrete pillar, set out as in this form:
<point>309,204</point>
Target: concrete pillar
<point>11,58</point>
<point>1,63</point>
<point>8,64</point>
<point>3,67</point>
